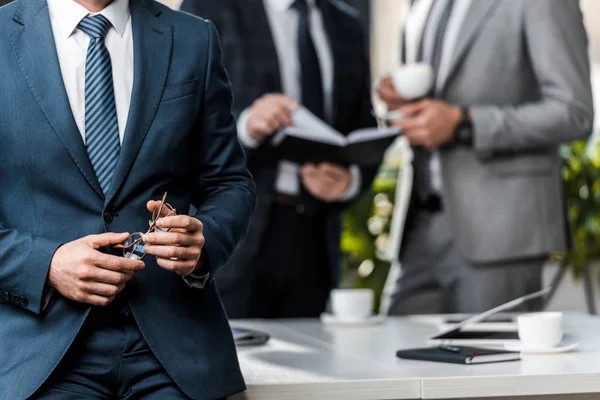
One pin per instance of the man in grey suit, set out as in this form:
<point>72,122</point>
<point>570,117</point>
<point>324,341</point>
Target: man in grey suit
<point>512,83</point>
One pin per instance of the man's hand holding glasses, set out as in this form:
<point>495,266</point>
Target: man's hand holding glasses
<point>80,272</point>
<point>175,240</point>
<point>177,243</point>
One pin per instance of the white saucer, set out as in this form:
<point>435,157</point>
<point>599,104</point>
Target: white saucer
<point>332,320</point>
<point>561,348</point>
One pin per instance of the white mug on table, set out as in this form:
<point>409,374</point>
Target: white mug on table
<point>541,330</point>
<point>352,304</point>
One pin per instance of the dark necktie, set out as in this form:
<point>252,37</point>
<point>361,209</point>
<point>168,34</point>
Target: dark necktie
<point>101,124</point>
<point>310,68</point>
<point>423,183</point>
<point>311,82</point>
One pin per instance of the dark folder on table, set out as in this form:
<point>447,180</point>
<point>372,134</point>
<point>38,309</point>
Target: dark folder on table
<point>463,355</point>
<point>310,140</point>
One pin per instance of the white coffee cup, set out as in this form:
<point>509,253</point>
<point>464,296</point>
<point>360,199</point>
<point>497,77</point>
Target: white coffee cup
<point>413,81</point>
<point>352,304</point>
<point>540,330</point>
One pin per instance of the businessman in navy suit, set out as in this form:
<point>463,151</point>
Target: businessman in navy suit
<point>106,106</point>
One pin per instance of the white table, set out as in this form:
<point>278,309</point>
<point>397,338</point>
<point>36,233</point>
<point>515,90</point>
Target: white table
<point>306,360</point>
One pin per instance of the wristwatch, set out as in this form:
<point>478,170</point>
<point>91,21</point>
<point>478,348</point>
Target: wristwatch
<point>464,130</point>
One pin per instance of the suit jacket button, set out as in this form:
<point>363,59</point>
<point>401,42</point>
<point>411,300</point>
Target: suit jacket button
<point>108,217</point>
<point>300,208</point>
<point>23,301</point>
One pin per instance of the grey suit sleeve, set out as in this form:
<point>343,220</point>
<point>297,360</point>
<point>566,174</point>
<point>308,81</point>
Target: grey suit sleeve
<point>558,50</point>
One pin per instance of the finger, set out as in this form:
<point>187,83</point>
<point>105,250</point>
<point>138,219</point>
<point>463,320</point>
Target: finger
<point>309,170</point>
<point>152,204</point>
<point>119,264</point>
<point>183,268</point>
<point>408,124</point>
<point>333,171</point>
<point>169,238</point>
<point>182,222</point>
<point>103,289</point>
<point>412,109</point>
<point>261,127</point>
<point>108,276</point>
<point>169,252</point>
<point>285,103</point>
<point>105,239</point>
<point>417,137</point>
<point>94,300</point>
<point>283,118</point>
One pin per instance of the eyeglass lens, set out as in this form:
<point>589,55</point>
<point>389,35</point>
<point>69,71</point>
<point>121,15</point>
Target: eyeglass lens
<point>134,247</point>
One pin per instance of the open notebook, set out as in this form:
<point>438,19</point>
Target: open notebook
<point>311,140</point>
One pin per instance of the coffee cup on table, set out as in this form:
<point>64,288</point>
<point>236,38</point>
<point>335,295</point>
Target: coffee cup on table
<point>413,81</point>
<point>352,304</point>
<point>541,330</point>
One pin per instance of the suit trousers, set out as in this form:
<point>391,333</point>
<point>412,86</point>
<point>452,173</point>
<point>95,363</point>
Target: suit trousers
<point>291,278</point>
<point>110,360</point>
<point>436,279</point>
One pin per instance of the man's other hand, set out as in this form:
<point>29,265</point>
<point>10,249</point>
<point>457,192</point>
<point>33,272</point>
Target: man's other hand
<point>327,182</point>
<point>387,93</point>
<point>268,114</point>
<point>81,273</point>
<point>429,123</point>
<point>180,249</point>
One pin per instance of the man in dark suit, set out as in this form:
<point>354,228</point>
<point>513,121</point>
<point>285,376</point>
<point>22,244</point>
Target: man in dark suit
<point>106,106</point>
<point>279,54</point>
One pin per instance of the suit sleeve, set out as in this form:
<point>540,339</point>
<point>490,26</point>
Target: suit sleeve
<point>25,262</point>
<point>225,198</point>
<point>558,50</point>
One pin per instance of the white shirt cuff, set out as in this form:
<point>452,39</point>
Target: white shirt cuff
<point>242,129</point>
<point>354,188</point>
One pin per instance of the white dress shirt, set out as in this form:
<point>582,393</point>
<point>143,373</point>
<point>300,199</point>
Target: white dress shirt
<point>283,20</point>
<point>453,30</point>
<point>71,47</point>
<point>72,44</point>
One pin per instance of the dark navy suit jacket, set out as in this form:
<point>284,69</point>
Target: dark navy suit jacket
<point>251,60</point>
<point>180,138</point>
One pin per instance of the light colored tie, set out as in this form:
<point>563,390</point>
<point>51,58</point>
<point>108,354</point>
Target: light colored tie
<point>101,124</point>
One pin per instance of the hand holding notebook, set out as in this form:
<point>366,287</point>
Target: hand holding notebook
<point>311,140</point>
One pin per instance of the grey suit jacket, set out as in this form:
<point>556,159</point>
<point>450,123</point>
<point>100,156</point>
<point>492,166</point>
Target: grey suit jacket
<point>523,68</point>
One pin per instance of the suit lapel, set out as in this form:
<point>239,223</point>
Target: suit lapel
<point>479,12</point>
<point>34,47</point>
<point>414,29</point>
<point>260,22</point>
<point>152,44</point>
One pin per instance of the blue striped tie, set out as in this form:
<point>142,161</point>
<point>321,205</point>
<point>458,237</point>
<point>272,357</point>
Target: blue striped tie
<point>101,124</point>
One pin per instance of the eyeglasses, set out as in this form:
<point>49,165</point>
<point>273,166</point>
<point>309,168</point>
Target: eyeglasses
<point>134,247</point>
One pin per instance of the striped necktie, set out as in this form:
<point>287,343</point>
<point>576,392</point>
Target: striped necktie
<point>101,124</point>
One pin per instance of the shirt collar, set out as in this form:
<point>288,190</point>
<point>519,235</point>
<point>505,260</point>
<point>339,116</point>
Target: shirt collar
<point>68,14</point>
<point>283,5</point>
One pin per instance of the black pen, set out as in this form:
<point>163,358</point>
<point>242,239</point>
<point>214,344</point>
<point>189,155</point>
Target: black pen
<point>450,349</point>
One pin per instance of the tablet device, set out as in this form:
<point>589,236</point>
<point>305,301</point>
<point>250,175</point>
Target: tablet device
<point>460,334</point>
